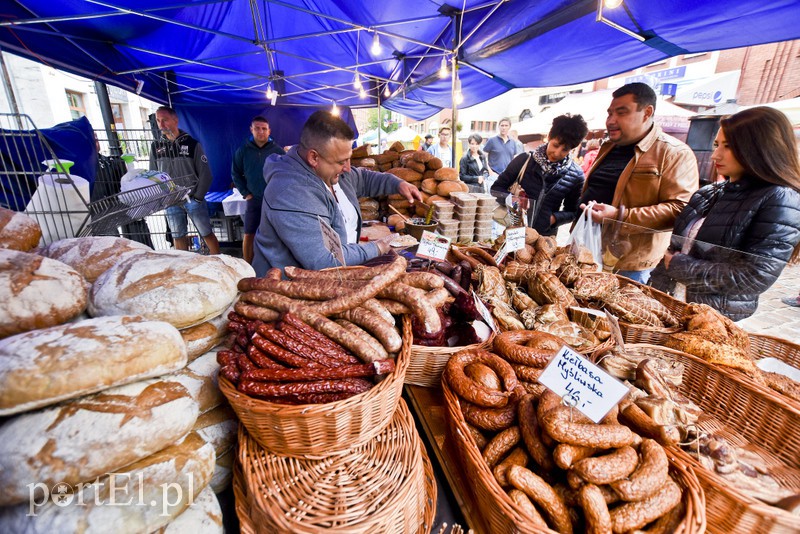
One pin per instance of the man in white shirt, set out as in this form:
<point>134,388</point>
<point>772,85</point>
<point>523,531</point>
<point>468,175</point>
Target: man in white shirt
<point>443,150</point>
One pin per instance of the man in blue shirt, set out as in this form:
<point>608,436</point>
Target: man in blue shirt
<point>247,172</point>
<point>500,150</point>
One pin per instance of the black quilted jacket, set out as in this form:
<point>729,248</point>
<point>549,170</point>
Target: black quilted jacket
<point>554,189</point>
<point>749,216</point>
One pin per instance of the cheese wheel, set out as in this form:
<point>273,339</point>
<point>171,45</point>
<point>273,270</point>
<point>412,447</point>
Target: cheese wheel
<point>37,292</point>
<point>147,495</point>
<point>64,362</point>
<point>18,231</point>
<point>181,288</point>
<point>92,256</point>
<point>88,437</point>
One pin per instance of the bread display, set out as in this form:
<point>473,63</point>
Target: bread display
<point>45,366</point>
<point>18,231</point>
<point>181,288</point>
<point>199,378</point>
<point>203,337</point>
<point>70,443</point>
<point>204,516</point>
<point>38,292</point>
<point>93,255</point>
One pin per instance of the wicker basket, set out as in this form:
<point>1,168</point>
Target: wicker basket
<point>242,500</point>
<point>636,333</point>
<point>745,416</point>
<point>762,346</point>
<point>427,363</point>
<point>385,485</point>
<point>321,430</point>
<point>501,514</point>
<point>586,320</point>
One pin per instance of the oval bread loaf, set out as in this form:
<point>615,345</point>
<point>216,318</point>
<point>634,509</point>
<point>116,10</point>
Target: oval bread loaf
<point>147,496</point>
<point>204,516</point>
<point>88,437</point>
<point>18,231</point>
<point>203,337</point>
<point>37,292</point>
<point>201,379</point>
<point>181,288</point>
<point>64,362</point>
<point>92,256</point>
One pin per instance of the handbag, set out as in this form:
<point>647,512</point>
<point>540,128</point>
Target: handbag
<point>501,214</point>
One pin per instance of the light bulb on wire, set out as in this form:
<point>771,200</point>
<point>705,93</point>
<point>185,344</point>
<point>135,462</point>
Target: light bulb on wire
<point>357,81</point>
<point>335,109</point>
<point>376,45</point>
<point>611,4</point>
<point>443,68</point>
<point>269,91</point>
<point>362,93</point>
<point>386,92</point>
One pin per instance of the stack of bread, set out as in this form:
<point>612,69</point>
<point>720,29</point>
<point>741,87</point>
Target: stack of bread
<point>111,422</point>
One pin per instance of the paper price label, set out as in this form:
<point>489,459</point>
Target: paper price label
<point>515,239</point>
<point>484,311</point>
<point>331,241</point>
<point>582,384</point>
<point>433,246</point>
<point>501,254</point>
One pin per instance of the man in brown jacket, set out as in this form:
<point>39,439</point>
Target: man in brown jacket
<point>650,173</point>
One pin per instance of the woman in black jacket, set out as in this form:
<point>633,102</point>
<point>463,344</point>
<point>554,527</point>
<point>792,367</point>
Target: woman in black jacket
<point>550,177</point>
<point>733,239</point>
<point>473,168</point>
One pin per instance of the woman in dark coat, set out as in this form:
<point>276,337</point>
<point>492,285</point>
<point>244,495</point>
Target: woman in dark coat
<point>550,178</point>
<point>733,239</point>
<point>473,168</point>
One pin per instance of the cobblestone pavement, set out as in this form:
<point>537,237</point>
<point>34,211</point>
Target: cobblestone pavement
<point>773,317</point>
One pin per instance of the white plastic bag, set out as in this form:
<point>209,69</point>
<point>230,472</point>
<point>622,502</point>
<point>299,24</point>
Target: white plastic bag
<point>587,233</point>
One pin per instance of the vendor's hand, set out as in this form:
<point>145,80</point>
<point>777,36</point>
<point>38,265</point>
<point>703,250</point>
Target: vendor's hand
<point>385,243</point>
<point>552,220</point>
<point>249,197</point>
<point>409,191</point>
<point>668,258</point>
<point>603,211</point>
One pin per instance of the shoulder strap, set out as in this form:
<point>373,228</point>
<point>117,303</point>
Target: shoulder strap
<point>522,170</point>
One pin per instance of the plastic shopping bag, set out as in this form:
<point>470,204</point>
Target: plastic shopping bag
<point>587,233</point>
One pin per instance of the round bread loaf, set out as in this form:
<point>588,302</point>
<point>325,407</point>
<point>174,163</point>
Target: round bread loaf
<point>88,437</point>
<point>147,496</point>
<point>92,256</point>
<point>240,267</point>
<point>200,378</point>
<point>181,288</point>
<point>37,292</point>
<point>204,516</point>
<point>203,337</point>
<point>63,362</point>
<point>18,231</point>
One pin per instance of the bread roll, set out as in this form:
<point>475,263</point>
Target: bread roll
<point>18,231</point>
<point>204,516</point>
<point>143,497</point>
<point>200,378</point>
<point>203,337</point>
<point>181,288</point>
<point>92,256</point>
<point>64,362</point>
<point>88,437</point>
<point>37,292</point>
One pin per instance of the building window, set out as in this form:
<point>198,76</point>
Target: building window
<point>76,106</point>
<point>472,125</point>
<point>119,118</point>
<point>494,126</point>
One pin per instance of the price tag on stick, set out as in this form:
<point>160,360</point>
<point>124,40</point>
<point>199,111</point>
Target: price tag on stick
<point>433,246</point>
<point>515,239</point>
<point>588,388</point>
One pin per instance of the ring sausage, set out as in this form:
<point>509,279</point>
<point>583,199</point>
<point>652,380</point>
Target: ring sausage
<point>494,419</point>
<point>470,390</point>
<point>512,346</point>
<point>483,375</point>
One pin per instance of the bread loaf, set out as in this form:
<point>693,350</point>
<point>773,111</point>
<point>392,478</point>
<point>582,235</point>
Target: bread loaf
<point>204,516</point>
<point>200,378</point>
<point>64,362</point>
<point>92,256</point>
<point>143,497</point>
<point>18,231</point>
<point>240,267</point>
<point>88,437</point>
<point>218,427</point>
<point>202,338</point>
<point>37,292</point>
<point>183,289</point>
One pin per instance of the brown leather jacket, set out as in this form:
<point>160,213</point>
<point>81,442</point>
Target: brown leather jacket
<point>654,187</point>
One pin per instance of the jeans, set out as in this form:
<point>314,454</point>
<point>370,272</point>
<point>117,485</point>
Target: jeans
<point>197,210</point>
<point>637,276</point>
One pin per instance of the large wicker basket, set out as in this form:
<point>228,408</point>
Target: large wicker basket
<point>385,485</point>
<point>427,363</point>
<point>501,514</point>
<point>745,416</point>
<point>636,333</point>
<point>321,430</point>
<point>762,346</point>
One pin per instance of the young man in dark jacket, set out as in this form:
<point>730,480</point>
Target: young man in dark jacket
<point>247,173</point>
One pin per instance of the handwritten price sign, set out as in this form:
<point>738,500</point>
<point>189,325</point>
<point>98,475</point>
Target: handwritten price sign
<point>433,246</point>
<point>582,384</point>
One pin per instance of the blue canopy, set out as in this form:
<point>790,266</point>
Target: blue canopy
<point>310,51</point>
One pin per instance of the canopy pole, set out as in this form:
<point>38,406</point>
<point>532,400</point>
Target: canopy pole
<point>454,115</point>
<point>12,98</point>
<point>380,114</point>
<point>108,118</point>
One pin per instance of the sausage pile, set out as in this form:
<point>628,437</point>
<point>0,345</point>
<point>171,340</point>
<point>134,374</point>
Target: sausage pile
<point>561,469</point>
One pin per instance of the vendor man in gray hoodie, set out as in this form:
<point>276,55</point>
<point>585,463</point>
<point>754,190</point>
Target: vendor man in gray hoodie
<point>312,186</point>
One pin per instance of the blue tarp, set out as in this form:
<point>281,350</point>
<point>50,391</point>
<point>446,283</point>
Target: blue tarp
<point>227,52</point>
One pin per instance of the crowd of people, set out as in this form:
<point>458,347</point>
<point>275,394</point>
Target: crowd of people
<point>723,244</point>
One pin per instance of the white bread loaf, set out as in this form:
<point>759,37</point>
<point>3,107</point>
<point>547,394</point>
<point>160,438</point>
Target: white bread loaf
<point>239,266</point>
<point>202,338</point>
<point>142,497</point>
<point>218,427</point>
<point>18,231</point>
<point>200,378</point>
<point>204,516</point>
<point>37,292</point>
<point>92,256</point>
<point>46,366</point>
<point>80,440</point>
<point>183,288</point>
